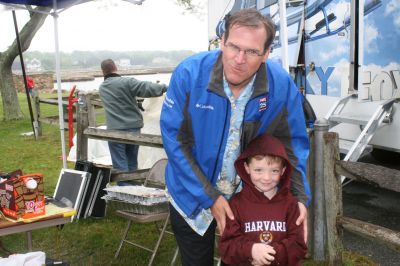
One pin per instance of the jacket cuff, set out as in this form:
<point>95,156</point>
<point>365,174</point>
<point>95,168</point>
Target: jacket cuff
<point>247,250</point>
<point>304,199</point>
<point>207,203</point>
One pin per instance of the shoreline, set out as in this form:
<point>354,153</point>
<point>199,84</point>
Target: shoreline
<point>88,75</point>
<point>45,80</point>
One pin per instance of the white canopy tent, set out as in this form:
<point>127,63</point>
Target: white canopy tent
<point>57,7</point>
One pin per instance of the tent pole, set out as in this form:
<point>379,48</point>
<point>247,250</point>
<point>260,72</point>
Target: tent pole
<point>283,35</point>
<point>33,122</point>
<point>58,77</point>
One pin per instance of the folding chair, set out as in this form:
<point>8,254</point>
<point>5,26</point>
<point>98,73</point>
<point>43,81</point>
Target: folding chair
<point>155,178</point>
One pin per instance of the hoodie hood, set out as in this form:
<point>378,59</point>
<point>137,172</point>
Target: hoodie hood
<point>264,145</point>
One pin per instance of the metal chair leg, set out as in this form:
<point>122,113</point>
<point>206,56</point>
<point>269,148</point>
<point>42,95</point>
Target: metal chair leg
<point>175,256</point>
<point>153,255</point>
<point>123,239</point>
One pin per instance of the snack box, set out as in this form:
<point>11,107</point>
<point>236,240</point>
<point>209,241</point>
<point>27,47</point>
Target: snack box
<point>22,196</point>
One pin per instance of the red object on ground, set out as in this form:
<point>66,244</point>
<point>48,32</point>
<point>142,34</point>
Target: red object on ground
<point>70,108</point>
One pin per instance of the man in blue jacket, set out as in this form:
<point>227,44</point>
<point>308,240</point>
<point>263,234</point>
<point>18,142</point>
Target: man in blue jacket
<point>217,102</point>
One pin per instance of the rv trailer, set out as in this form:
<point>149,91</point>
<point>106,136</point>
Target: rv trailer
<point>343,55</point>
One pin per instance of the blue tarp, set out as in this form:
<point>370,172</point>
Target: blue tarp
<point>48,3</point>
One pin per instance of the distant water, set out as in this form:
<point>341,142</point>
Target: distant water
<point>94,84</point>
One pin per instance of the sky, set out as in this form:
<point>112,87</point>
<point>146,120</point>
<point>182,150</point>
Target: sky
<point>117,26</point>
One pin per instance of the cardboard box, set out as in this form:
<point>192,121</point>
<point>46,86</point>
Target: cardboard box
<point>22,196</point>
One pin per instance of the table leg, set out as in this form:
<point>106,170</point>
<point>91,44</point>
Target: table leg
<point>29,240</point>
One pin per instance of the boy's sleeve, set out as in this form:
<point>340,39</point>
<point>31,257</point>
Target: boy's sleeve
<point>233,247</point>
<point>291,250</point>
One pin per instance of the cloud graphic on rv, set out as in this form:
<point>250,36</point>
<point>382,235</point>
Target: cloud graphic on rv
<point>335,52</point>
<point>341,11</point>
<point>370,38</point>
<point>339,78</point>
<point>393,8</point>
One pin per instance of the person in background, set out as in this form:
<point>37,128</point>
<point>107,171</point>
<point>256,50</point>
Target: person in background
<point>217,102</point>
<point>31,85</point>
<point>264,231</point>
<point>118,95</point>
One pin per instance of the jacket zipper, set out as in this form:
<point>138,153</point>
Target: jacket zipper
<point>222,137</point>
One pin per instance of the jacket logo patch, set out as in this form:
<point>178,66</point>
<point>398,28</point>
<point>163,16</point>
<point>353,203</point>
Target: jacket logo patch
<point>203,106</point>
<point>262,104</point>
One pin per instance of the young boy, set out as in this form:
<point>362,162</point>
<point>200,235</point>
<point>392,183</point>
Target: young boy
<point>264,229</point>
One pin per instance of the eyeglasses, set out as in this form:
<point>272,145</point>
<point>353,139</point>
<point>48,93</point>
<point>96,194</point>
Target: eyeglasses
<point>248,52</point>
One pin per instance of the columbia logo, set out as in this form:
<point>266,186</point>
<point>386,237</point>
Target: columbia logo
<point>203,106</point>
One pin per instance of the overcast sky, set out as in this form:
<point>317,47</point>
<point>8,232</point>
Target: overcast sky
<point>117,26</point>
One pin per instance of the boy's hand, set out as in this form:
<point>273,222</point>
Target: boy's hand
<point>220,209</point>
<point>262,254</point>
<point>303,219</point>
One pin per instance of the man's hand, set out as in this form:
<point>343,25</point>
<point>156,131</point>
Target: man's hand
<point>262,254</point>
<point>164,90</point>
<point>220,209</point>
<point>303,219</point>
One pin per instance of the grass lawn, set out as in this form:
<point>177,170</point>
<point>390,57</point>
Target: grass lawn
<point>92,241</point>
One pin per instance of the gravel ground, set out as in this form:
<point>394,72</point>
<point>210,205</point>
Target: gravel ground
<point>377,206</point>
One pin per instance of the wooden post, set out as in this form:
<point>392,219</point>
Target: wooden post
<point>91,110</point>
<point>82,123</point>
<point>311,179</point>
<point>321,126</point>
<point>333,199</point>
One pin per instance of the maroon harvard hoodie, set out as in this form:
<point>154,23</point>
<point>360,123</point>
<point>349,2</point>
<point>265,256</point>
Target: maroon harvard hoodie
<point>262,220</point>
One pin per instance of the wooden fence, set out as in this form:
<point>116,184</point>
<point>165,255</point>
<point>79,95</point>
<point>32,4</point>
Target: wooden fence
<point>54,120</point>
<point>326,221</point>
<point>86,128</point>
<point>329,222</point>
<point>51,120</point>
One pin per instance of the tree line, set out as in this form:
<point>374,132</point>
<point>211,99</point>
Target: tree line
<point>92,59</point>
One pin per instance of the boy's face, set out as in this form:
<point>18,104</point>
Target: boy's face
<point>265,174</point>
